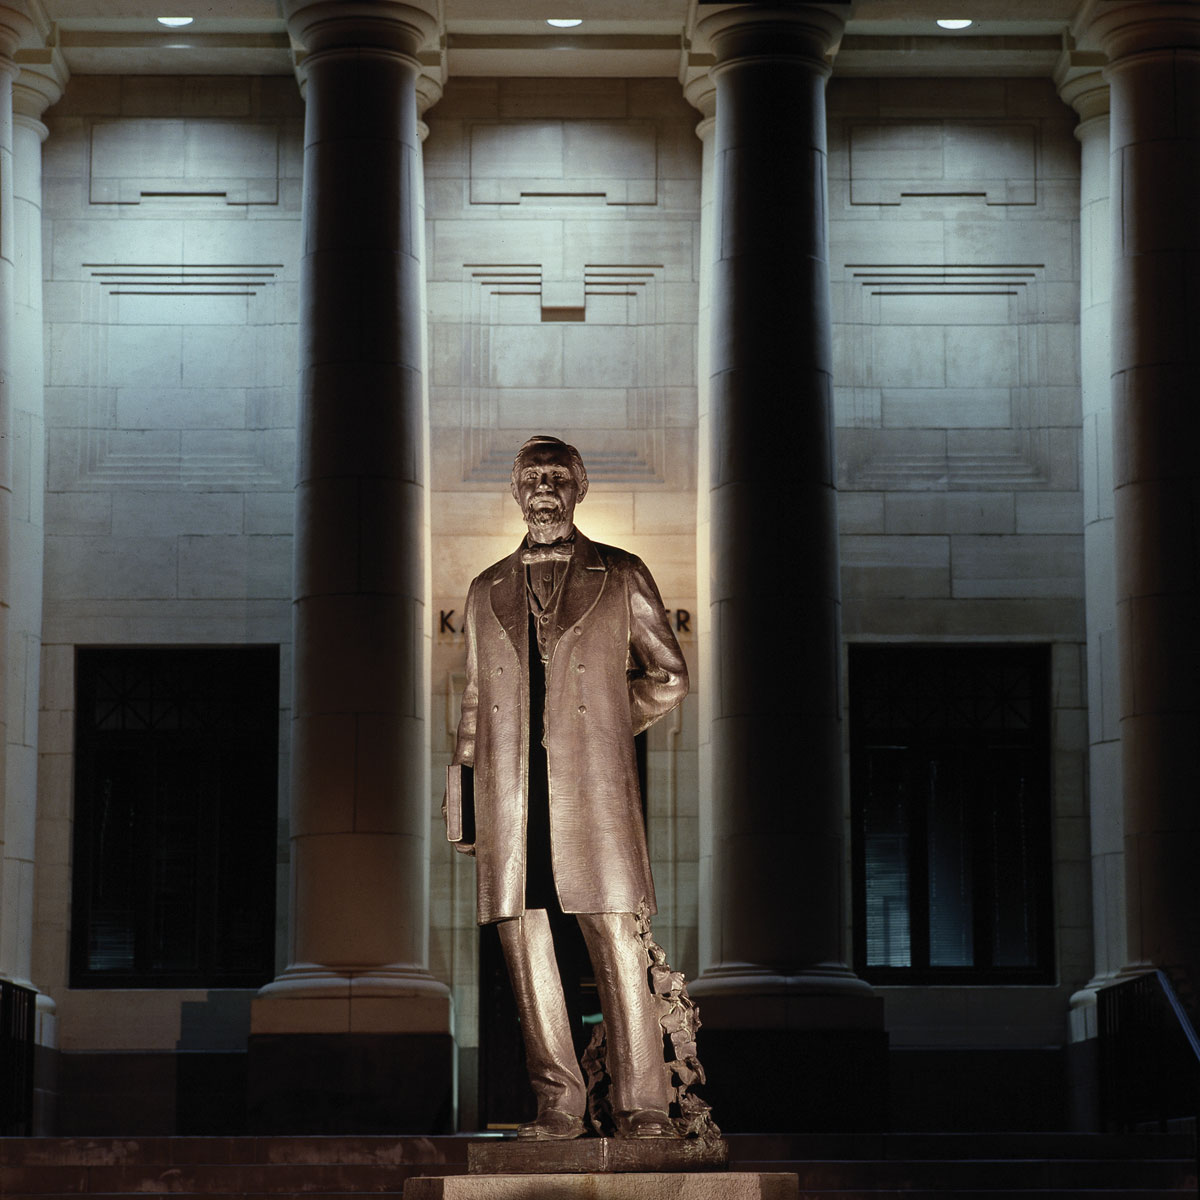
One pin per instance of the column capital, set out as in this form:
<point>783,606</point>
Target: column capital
<point>1122,30</point>
<point>701,93</point>
<point>41,82</point>
<point>321,25</point>
<point>753,31</point>
<point>1079,77</point>
<point>429,92</point>
<point>16,27</point>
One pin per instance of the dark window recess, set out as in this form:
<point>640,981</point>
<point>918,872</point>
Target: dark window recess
<point>175,817</point>
<point>950,799</point>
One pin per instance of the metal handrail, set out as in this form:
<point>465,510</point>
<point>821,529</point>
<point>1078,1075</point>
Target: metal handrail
<point>18,1016</point>
<point>1149,1057</point>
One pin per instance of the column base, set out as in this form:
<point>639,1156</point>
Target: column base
<point>369,1052</point>
<point>311,999</point>
<point>793,1053</point>
<point>826,996</point>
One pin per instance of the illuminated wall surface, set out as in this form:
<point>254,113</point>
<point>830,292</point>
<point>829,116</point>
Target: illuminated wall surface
<point>562,250</point>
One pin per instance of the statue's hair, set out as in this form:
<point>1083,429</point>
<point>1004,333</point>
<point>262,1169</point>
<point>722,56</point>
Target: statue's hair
<point>573,460</point>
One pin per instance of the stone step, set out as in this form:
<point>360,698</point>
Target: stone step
<point>865,1193</point>
<point>115,1151</point>
<point>1125,1167</point>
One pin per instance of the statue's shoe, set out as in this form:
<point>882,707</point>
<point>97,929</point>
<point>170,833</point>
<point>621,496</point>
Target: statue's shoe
<point>551,1125</point>
<point>646,1123</point>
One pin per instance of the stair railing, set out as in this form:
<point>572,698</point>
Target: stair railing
<point>1149,1057</point>
<point>18,1014</point>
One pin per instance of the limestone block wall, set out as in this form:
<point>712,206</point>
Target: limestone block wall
<point>562,258</point>
<point>953,214</point>
<point>172,237</point>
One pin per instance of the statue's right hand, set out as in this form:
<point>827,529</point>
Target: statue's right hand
<point>464,848</point>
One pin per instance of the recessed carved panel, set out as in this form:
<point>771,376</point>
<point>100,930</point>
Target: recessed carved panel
<point>182,375</point>
<point>137,159</point>
<point>527,340</point>
<point>948,379</point>
<point>526,162</point>
<point>995,160</point>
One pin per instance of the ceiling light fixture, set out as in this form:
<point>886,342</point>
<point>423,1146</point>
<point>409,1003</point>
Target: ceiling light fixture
<point>564,22</point>
<point>953,24</point>
<point>174,22</point>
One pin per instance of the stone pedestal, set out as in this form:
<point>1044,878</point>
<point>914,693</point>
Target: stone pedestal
<point>734,1185</point>
<point>775,984</point>
<point>596,1156</point>
<point>356,1011</point>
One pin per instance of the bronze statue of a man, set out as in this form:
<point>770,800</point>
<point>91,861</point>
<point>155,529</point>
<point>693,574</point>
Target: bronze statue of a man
<point>569,656</point>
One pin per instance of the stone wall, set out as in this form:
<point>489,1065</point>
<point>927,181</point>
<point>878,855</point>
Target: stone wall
<point>562,250</point>
<point>172,236</point>
<point>954,252</point>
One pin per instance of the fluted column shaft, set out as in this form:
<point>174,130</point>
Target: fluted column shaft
<point>15,820</point>
<point>1104,732</point>
<point>35,89</point>
<point>701,93</point>
<point>1154,77</point>
<point>778,887</point>
<point>360,778</point>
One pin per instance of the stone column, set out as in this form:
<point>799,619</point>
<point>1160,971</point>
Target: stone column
<point>1087,92</point>
<point>1154,76</point>
<point>701,93</point>
<point>777,991</point>
<point>354,1036</point>
<point>15,820</point>
<point>35,89</point>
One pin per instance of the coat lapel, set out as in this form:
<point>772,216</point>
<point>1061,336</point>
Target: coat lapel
<point>581,589</point>
<point>509,601</point>
<point>583,584</point>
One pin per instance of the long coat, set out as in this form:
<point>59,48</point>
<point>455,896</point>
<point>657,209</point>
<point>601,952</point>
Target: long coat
<point>615,669</point>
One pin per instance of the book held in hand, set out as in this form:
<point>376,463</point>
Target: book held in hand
<point>460,803</point>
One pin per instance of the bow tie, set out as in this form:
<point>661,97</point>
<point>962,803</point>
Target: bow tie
<point>539,554</point>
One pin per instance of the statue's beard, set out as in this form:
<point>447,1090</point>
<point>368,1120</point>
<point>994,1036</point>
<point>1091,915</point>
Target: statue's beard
<point>541,515</point>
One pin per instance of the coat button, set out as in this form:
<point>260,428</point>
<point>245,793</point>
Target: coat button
<point>545,620</point>
<point>583,708</point>
<point>495,708</point>
<point>579,667</point>
<point>499,670</point>
<point>577,629</point>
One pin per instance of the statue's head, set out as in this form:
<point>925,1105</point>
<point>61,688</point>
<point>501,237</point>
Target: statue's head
<point>548,480</point>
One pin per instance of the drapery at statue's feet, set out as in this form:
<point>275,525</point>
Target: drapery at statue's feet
<point>551,1125</point>
<point>646,1123</point>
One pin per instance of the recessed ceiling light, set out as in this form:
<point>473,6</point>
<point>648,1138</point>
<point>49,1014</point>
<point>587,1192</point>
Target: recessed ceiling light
<point>955,24</point>
<point>174,22</point>
<point>564,22</point>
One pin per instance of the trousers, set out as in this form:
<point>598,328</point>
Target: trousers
<point>632,1033</point>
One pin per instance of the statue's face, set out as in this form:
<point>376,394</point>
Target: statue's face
<point>547,493</point>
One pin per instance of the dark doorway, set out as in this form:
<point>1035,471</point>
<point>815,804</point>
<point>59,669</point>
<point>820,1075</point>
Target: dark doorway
<point>950,797</point>
<point>175,817</point>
